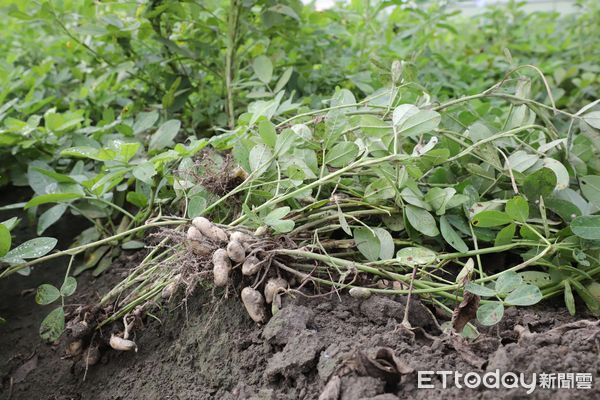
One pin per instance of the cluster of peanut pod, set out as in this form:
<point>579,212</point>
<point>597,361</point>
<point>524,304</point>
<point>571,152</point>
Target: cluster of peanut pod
<point>230,250</point>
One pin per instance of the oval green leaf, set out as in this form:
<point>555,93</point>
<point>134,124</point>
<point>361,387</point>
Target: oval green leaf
<point>421,220</point>
<point>524,295</point>
<point>411,256</point>
<point>53,325</point>
<point>490,218</point>
<point>52,198</point>
<point>479,290</point>
<point>451,236</point>
<point>33,248</point>
<point>341,154</point>
<point>587,227</point>
<point>46,294</point>
<point>68,287</point>
<point>491,313</point>
<point>367,243</point>
<point>5,240</point>
<point>507,282</point>
<point>518,209</point>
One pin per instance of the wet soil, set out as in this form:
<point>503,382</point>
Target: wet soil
<point>208,348</point>
<point>327,348</point>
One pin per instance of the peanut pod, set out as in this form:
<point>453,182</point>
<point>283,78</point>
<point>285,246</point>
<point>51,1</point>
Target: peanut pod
<point>236,251</point>
<point>273,286</point>
<point>118,343</point>
<point>210,230</point>
<point>221,267</point>
<point>251,266</point>
<point>255,304</point>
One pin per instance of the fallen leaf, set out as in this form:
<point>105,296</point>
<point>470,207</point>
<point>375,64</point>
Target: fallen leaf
<point>385,365</point>
<point>465,311</point>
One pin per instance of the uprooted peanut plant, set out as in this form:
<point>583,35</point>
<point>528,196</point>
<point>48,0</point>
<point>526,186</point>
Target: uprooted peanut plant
<point>438,183</point>
<point>475,204</point>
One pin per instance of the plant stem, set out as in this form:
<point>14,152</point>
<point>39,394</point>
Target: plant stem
<point>357,164</point>
<point>84,247</point>
<point>233,22</point>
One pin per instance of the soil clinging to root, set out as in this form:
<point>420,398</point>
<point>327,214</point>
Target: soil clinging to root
<point>314,348</point>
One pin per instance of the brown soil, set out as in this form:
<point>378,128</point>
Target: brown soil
<point>208,348</point>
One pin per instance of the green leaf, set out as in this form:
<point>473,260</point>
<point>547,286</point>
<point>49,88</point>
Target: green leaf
<point>421,220</point>
<point>451,236</point>
<point>541,183</point>
<point>379,190</point>
<point>343,222</point>
<point>68,287</point>
<point>590,187</point>
<point>490,218</point>
<point>137,199</point>
<point>89,152</point>
<point>562,175</point>
<point>410,121</point>
<point>46,294</point>
<point>128,150</point>
<point>518,209</point>
<point>386,244</point>
<point>587,227</point>
<point>275,220</point>
<point>491,313</point>
<point>5,240</point>
<point>276,214</point>
<point>341,154</point>
<point>507,282</point>
<point>165,134</point>
<point>569,298</point>
<point>260,159</point>
<point>283,225</point>
<point>133,245</point>
<point>521,161</point>
<point>284,142</point>
<point>285,10</point>
<point>563,208</point>
<point>53,325</point>
<point>283,80</point>
<point>11,223</point>
<point>52,198</point>
<point>49,217</point>
<point>61,178</point>
<point>33,248</point>
<point>537,278</point>
<point>505,235</point>
<point>144,172</point>
<point>588,298</point>
<point>196,206</point>
<point>592,119</point>
<point>411,256</point>
<point>524,295</point>
<point>414,198</point>
<point>104,264</point>
<point>439,198</point>
<point>367,243</point>
<point>263,68</point>
<point>479,290</point>
<point>144,121</point>
<point>267,132</point>
<point>402,113</point>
